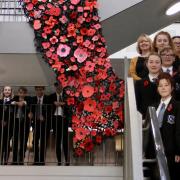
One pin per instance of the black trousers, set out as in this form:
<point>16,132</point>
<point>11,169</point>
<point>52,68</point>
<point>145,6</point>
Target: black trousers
<point>40,137</point>
<point>60,130</point>
<point>5,137</point>
<point>20,138</point>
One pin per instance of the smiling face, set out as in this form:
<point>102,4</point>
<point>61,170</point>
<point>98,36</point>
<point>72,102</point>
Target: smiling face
<point>161,41</point>
<point>7,91</point>
<point>165,88</point>
<point>154,64</point>
<point>144,44</point>
<point>168,58</point>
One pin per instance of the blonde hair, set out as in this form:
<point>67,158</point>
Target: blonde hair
<point>139,40</point>
<point>2,92</point>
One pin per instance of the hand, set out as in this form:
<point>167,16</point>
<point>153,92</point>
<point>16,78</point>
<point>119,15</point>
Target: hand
<point>30,115</point>
<point>177,158</point>
<point>20,104</point>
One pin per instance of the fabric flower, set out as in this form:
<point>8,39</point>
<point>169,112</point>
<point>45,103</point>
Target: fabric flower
<point>146,83</point>
<point>89,105</point>
<point>80,54</point>
<point>75,2</point>
<point>63,50</point>
<point>87,91</point>
<point>37,24</point>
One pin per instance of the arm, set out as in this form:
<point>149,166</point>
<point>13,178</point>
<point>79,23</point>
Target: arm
<point>132,69</point>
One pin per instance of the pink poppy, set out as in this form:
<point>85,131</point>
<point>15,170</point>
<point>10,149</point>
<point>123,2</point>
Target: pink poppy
<point>75,2</point>
<point>37,24</point>
<point>80,54</point>
<point>63,50</point>
<point>89,66</point>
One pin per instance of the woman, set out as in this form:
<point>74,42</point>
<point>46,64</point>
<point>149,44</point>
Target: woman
<point>138,69</point>
<point>168,113</point>
<point>161,40</point>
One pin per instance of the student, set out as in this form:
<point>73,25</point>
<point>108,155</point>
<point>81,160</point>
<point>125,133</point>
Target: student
<point>6,123</point>
<point>41,124</point>
<point>21,126</point>
<point>138,69</point>
<point>168,113</point>
<point>146,93</point>
<point>168,58</point>
<point>161,40</point>
<point>60,122</point>
<point>176,43</point>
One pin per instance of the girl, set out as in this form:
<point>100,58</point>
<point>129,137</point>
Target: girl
<point>6,123</point>
<point>168,113</point>
<point>146,93</point>
<point>161,40</point>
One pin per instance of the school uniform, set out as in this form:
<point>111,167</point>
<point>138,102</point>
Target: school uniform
<point>20,130</point>
<point>146,94</point>
<point>60,126</point>
<point>6,128</point>
<point>170,132</point>
<point>41,127</point>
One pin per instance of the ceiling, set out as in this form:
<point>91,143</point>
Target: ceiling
<point>148,16</point>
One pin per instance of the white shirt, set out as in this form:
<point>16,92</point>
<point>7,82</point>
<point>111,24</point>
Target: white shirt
<point>170,69</point>
<point>151,77</point>
<point>40,99</point>
<point>166,102</point>
<point>59,109</point>
<point>6,99</point>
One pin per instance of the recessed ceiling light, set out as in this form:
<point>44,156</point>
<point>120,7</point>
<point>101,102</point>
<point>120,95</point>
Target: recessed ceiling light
<point>173,9</point>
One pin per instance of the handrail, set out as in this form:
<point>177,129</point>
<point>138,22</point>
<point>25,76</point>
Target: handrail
<point>133,136</point>
<point>159,148</point>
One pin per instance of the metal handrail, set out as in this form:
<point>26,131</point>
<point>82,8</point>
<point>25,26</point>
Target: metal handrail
<point>159,148</point>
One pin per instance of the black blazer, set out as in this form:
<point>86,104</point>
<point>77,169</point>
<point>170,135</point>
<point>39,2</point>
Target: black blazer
<point>25,108</point>
<point>53,98</point>
<point>146,95</point>
<point>170,130</point>
<point>6,110</point>
<point>45,106</point>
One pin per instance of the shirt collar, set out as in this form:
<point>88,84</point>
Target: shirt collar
<point>151,77</point>
<point>165,68</point>
<point>166,101</point>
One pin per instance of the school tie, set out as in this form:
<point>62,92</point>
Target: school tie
<point>161,114</point>
<point>168,71</point>
<point>154,80</point>
<point>39,108</point>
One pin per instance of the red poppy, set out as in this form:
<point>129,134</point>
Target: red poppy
<point>170,107</point>
<point>78,152</point>
<point>87,91</point>
<point>98,139</point>
<point>146,83</point>
<point>81,133</point>
<point>89,105</point>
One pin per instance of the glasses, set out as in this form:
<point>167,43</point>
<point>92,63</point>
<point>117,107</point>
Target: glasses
<point>168,55</point>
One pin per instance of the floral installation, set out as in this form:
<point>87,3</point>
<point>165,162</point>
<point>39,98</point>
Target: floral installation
<point>146,83</point>
<point>69,36</point>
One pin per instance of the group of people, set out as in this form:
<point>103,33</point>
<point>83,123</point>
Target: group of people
<point>43,114</point>
<point>156,74</point>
